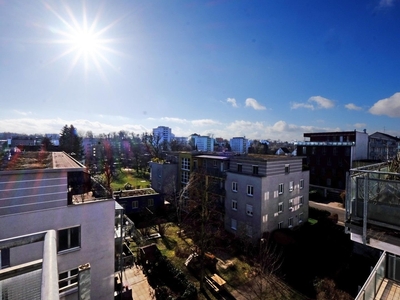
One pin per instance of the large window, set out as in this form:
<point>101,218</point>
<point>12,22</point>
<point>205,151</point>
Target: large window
<point>234,186</point>
<point>250,190</point>
<point>234,204</point>
<point>249,210</point>
<point>68,280</point>
<point>69,238</point>
<point>280,190</point>
<point>185,163</point>
<point>233,224</point>
<point>185,177</point>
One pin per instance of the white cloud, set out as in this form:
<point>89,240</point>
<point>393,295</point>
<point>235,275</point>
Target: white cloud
<point>254,104</point>
<point>232,101</point>
<point>174,120</point>
<point>388,106</point>
<point>352,106</point>
<point>23,113</point>
<point>204,122</point>
<point>314,102</point>
<point>360,125</point>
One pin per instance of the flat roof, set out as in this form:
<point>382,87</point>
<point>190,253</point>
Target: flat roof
<point>214,157</point>
<point>30,160</point>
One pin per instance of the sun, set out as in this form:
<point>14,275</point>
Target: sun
<point>86,41</point>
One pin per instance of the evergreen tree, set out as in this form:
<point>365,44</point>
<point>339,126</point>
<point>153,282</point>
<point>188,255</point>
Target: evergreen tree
<point>71,142</point>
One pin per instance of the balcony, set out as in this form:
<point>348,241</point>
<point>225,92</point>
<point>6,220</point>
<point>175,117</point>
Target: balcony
<point>373,207</point>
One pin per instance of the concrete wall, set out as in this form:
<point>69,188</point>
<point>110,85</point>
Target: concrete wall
<point>97,240</point>
<point>361,149</point>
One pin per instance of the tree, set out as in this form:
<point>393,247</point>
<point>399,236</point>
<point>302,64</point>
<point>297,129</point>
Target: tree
<point>47,145</point>
<point>71,142</point>
<point>203,219</point>
<point>153,144</point>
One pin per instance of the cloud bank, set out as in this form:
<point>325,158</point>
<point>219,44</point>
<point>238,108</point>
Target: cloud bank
<point>387,107</point>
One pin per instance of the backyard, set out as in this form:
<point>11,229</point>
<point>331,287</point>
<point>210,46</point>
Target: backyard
<point>131,177</point>
<point>240,276</point>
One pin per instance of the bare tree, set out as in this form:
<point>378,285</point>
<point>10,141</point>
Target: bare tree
<point>153,144</point>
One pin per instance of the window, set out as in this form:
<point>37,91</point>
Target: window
<point>150,202</point>
<point>4,258</point>
<point>290,204</point>
<point>249,230</point>
<point>290,222</point>
<point>301,200</point>
<point>287,168</point>
<point>250,190</point>
<point>280,207</point>
<point>249,210</point>
<point>239,168</point>
<point>185,177</point>
<point>280,224</point>
<point>300,218</point>
<point>304,150</point>
<point>280,188</point>
<point>234,186</point>
<point>135,204</point>
<point>215,164</point>
<point>233,224</point>
<point>185,163</point>
<point>301,183</point>
<point>234,204</point>
<point>255,170</point>
<point>69,238</point>
<point>68,280</point>
<point>291,186</point>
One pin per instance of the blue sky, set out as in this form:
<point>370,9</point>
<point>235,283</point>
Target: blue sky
<point>262,69</point>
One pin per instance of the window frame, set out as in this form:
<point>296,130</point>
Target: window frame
<point>291,186</point>
<point>249,210</point>
<point>255,169</point>
<point>301,218</point>
<point>135,204</point>
<point>290,222</point>
<point>280,207</point>
<point>287,168</point>
<point>280,188</point>
<point>239,168</point>
<point>291,202</point>
<point>150,202</point>
<point>234,186</point>
<point>250,190</point>
<point>70,245</point>
<point>301,200</point>
<point>280,225</point>
<point>234,204</point>
<point>71,280</point>
<point>233,224</point>
<point>301,184</point>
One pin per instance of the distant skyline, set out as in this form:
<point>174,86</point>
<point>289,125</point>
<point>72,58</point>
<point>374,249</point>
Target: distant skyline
<point>260,69</point>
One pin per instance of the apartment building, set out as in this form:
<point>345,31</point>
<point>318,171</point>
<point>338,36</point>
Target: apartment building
<point>330,155</point>
<point>264,193</point>
<point>201,143</point>
<point>164,133</point>
<point>51,195</point>
<point>239,145</point>
<point>383,146</point>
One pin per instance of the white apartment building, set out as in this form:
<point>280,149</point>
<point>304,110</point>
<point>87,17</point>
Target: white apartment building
<point>239,144</point>
<point>164,133</point>
<point>51,192</point>
<point>202,143</point>
<point>264,193</point>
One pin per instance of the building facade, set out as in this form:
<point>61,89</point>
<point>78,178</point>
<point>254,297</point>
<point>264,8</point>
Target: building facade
<point>201,143</point>
<point>239,145</point>
<point>265,193</point>
<point>43,192</point>
<point>382,146</point>
<point>163,133</point>
<point>330,155</point>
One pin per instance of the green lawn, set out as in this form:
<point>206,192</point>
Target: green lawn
<point>129,176</point>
